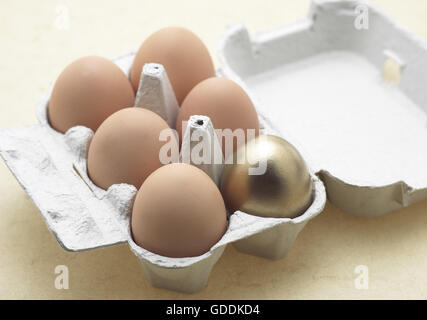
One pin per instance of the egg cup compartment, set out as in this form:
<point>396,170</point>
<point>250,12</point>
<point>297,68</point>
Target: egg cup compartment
<point>273,243</point>
<point>325,84</point>
<point>52,169</point>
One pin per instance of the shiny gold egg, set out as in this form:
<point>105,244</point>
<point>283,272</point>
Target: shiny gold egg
<point>267,177</point>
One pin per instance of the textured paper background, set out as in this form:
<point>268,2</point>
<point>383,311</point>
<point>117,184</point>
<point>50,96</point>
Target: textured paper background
<point>37,42</point>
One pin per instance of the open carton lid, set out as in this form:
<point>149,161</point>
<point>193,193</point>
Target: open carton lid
<point>323,83</point>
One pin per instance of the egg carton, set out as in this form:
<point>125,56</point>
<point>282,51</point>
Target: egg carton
<point>360,152</point>
<point>322,81</point>
<point>52,169</point>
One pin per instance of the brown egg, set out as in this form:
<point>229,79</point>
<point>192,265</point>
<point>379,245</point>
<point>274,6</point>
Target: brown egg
<point>126,147</point>
<point>227,105</point>
<point>181,52</point>
<point>88,91</point>
<point>178,212</point>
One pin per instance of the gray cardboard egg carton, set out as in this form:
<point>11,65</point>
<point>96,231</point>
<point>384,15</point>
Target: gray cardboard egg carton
<point>51,166</point>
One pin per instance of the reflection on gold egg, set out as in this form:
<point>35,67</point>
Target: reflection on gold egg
<point>267,177</point>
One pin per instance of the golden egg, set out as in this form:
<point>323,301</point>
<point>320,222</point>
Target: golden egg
<point>267,177</point>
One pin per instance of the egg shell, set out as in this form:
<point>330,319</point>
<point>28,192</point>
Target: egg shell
<point>87,92</point>
<point>176,221</point>
<point>225,103</point>
<point>184,56</point>
<point>126,148</point>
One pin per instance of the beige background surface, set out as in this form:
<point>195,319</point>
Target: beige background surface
<point>321,263</point>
